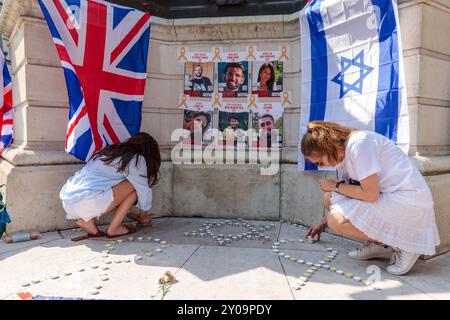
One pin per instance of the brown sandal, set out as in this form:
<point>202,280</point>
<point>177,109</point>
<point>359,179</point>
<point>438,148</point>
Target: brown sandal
<point>130,231</point>
<point>99,234</point>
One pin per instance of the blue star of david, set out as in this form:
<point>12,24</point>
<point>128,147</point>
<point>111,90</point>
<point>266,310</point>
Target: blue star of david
<point>364,70</point>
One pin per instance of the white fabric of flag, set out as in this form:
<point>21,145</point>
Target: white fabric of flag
<point>352,68</point>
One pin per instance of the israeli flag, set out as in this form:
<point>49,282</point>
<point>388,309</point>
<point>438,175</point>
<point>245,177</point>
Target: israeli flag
<point>352,68</point>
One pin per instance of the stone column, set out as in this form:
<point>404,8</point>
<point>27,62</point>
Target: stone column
<point>35,166</point>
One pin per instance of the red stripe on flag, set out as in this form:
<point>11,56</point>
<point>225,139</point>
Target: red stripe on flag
<point>73,125</point>
<point>7,100</point>
<point>66,19</point>
<point>110,130</point>
<point>63,54</point>
<point>2,112</point>
<point>118,50</point>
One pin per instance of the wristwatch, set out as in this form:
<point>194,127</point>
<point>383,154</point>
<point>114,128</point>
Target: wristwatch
<point>337,186</point>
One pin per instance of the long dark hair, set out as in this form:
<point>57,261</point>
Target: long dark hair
<point>271,81</point>
<point>141,144</point>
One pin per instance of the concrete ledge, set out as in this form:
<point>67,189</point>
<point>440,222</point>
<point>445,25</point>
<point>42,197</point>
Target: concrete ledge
<point>21,156</point>
<point>301,197</point>
<point>32,196</point>
<point>226,191</point>
<point>26,155</point>
<point>432,165</point>
<point>163,192</point>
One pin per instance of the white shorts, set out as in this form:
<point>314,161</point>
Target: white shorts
<point>91,206</point>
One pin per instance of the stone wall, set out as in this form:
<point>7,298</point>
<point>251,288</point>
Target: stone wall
<point>36,166</point>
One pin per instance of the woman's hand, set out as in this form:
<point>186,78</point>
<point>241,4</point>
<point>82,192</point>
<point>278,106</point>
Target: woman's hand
<point>327,185</point>
<point>143,217</point>
<point>316,229</point>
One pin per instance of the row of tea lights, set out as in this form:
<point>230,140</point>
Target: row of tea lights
<point>313,267</point>
<point>103,275</point>
<point>253,232</point>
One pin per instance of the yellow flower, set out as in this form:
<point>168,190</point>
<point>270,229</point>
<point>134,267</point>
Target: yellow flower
<point>161,280</point>
<point>170,277</point>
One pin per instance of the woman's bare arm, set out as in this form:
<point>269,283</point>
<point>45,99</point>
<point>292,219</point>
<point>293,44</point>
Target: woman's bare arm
<point>369,190</point>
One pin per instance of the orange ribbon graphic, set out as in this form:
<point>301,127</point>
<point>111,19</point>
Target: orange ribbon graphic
<point>216,100</point>
<point>286,99</point>
<point>252,102</point>
<point>283,53</point>
<point>250,53</point>
<point>182,52</point>
<point>217,54</point>
<point>183,102</point>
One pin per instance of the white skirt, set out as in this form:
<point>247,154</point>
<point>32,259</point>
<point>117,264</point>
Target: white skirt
<point>91,206</point>
<point>391,222</point>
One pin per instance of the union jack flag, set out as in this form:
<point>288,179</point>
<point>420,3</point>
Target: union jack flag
<point>6,107</point>
<point>103,50</point>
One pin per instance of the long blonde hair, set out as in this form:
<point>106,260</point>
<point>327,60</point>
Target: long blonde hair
<point>324,137</point>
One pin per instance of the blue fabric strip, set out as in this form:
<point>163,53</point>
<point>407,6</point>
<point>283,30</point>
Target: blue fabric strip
<point>48,18</point>
<point>319,67</point>
<point>386,111</point>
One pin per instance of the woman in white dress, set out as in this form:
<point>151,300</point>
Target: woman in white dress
<point>380,196</point>
<point>118,176</point>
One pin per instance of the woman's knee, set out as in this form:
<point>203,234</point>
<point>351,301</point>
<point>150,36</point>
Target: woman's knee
<point>133,195</point>
<point>327,200</point>
<point>335,221</point>
<point>122,190</point>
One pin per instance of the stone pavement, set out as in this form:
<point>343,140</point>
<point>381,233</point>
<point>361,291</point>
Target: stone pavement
<point>242,269</point>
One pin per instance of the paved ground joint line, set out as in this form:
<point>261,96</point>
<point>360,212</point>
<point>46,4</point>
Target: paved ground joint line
<point>286,277</point>
<point>279,232</point>
<point>198,247</point>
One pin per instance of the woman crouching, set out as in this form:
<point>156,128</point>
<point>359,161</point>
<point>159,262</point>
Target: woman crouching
<point>118,176</point>
<point>379,197</point>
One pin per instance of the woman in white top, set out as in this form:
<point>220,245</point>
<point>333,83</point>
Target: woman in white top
<point>380,196</point>
<point>118,176</point>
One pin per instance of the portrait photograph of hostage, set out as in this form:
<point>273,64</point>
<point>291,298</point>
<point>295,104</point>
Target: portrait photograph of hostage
<point>234,126</point>
<point>199,79</point>
<point>199,125</point>
<point>267,78</point>
<point>269,128</point>
<point>233,79</point>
